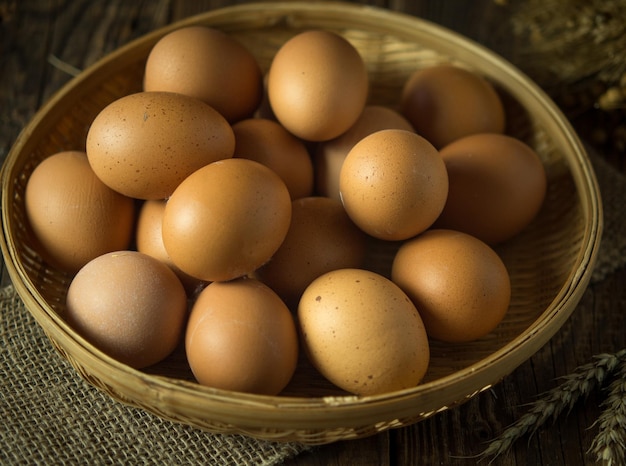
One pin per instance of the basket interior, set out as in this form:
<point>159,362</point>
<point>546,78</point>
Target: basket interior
<point>540,260</point>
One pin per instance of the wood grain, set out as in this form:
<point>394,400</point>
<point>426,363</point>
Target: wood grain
<point>42,41</point>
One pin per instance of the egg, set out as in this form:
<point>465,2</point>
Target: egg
<point>149,240</point>
<point>226,219</point>
<point>446,102</point>
<point>267,142</point>
<point>129,305</point>
<point>74,216</point>
<point>362,333</point>
<point>144,144</point>
<point>393,184</point>
<point>497,186</point>
<point>329,155</point>
<point>458,283</point>
<point>210,65</point>
<point>321,238</point>
<point>241,336</point>
<point>317,85</point>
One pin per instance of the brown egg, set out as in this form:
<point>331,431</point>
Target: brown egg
<point>143,145</point>
<point>267,142</point>
<point>459,285</point>
<point>241,337</point>
<point>208,64</point>
<point>226,219</point>
<point>363,333</point>
<point>321,238</point>
<point>75,216</point>
<point>446,102</point>
<point>330,155</point>
<point>317,85</point>
<point>149,240</point>
<point>393,184</point>
<point>129,305</point>
<point>497,186</point>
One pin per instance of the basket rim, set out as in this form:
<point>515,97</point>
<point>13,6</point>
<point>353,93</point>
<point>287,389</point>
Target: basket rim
<point>165,388</point>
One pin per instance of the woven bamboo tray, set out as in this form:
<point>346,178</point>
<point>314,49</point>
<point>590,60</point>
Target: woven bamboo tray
<point>550,262</point>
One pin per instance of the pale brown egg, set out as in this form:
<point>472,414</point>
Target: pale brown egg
<point>149,240</point>
<point>446,102</point>
<point>362,332</point>
<point>75,217</point>
<point>459,285</point>
<point>317,85</point>
<point>210,65</point>
<point>226,219</point>
<point>321,238</point>
<point>143,145</point>
<point>497,186</point>
<point>129,305</point>
<point>329,155</point>
<point>267,142</point>
<point>393,184</point>
<point>241,337</point>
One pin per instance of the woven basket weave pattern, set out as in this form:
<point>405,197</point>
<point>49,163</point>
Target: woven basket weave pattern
<point>548,262</point>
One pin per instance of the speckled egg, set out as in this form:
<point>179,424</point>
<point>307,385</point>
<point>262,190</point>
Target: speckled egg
<point>363,333</point>
<point>393,184</point>
<point>329,155</point>
<point>143,145</point>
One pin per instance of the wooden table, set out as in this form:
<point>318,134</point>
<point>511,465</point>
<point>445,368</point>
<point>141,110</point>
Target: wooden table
<point>43,42</point>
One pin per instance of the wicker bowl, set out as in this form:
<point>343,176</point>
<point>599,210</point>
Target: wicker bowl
<point>550,262</point>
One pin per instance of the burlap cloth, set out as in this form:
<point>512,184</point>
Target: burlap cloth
<point>49,415</point>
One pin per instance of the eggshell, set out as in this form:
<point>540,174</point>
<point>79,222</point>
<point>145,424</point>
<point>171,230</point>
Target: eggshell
<point>321,238</point>
<point>329,155</point>
<point>241,337</point>
<point>497,186</point>
<point>269,143</point>
<point>226,219</point>
<point>143,145</point>
<point>129,305</point>
<point>393,184</point>
<point>446,102</point>
<point>459,285</point>
<point>362,332</point>
<point>149,240</point>
<point>75,216</point>
<point>317,85</point>
<point>208,64</point>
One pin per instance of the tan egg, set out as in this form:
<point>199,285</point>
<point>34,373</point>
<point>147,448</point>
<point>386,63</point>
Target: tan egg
<point>75,217</point>
<point>330,155</point>
<point>317,85</point>
<point>363,333</point>
<point>129,305</point>
<point>321,238</point>
<point>241,337</point>
<point>267,142</point>
<point>208,64</point>
<point>459,285</point>
<point>149,240</point>
<point>497,186</point>
<point>393,184</point>
<point>445,102</point>
<point>226,219</point>
<point>143,145</point>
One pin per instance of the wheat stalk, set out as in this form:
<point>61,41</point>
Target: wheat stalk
<point>609,445</point>
<point>562,398</point>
